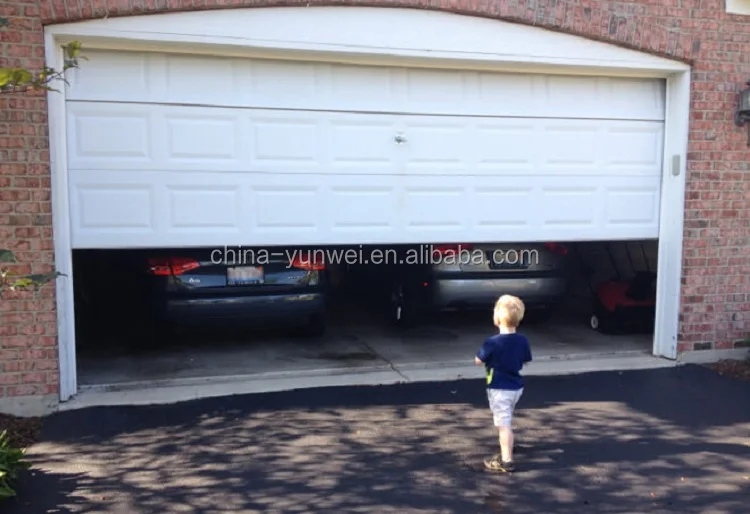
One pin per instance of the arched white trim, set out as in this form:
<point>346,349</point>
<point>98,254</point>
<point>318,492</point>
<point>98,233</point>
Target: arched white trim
<point>373,35</point>
<point>741,7</point>
<point>364,33</point>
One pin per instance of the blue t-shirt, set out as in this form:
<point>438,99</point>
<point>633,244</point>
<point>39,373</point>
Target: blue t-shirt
<point>503,356</point>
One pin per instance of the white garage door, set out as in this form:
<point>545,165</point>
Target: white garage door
<point>170,150</point>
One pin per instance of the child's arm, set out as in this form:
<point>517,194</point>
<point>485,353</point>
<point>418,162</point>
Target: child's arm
<point>527,356</point>
<point>483,354</point>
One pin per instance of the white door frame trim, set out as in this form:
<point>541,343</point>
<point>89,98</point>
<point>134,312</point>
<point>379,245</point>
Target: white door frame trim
<point>293,36</point>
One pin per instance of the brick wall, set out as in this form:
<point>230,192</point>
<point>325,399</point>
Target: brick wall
<point>28,343</point>
<point>716,281</point>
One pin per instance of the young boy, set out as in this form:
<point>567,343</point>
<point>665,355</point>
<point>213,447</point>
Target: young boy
<point>503,356</point>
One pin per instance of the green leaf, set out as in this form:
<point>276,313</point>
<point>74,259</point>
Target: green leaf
<point>14,76</point>
<point>21,76</point>
<point>43,278</point>
<point>6,492</point>
<point>7,256</point>
<point>6,75</point>
<point>73,49</point>
<point>11,461</point>
<point>21,283</point>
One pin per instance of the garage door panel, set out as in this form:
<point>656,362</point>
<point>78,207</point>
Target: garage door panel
<point>161,208</point>
<point>201,137</point>
<point>102,134</point>
<point>361,144</point>
<point>204,207</point>
<point>570,205</point>
<point>364,207</point>
<point>200,151</point>
<point>258,83</point>
<point>179,138</point>
<point>435,145</point>
<point>121,207</point>
<point>421,92</point>
<point>504,145</point>
<point>286,208</point>
<point>633,146</point>
<point>186,79</point>
<point>630,205</point>
<point>285,141</point>
<point>434,208</point>
<point>572,145</point>
<point>281,80</point>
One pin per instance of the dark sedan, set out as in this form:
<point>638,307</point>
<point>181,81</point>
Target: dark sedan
<point>242,287</point>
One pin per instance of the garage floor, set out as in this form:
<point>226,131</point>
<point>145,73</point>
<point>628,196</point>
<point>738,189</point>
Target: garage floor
<point>355,340</point>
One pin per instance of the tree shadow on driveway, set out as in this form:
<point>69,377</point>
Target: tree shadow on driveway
<point>39,491</point>
<point>674,440</point>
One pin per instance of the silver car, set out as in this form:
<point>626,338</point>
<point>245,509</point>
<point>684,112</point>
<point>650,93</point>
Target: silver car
<point>473,276</point>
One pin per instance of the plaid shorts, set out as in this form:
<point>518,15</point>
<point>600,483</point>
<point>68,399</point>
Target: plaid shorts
<point>502,404</point>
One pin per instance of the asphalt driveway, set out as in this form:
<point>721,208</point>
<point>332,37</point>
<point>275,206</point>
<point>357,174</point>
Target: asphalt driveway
<point>670,440</point>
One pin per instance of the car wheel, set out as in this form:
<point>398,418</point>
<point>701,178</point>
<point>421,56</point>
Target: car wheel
<point>401,309</point>
<point>594,322</point>
<point>601,320</point>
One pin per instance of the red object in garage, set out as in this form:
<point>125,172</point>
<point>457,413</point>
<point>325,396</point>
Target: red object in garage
<point>625,305</point>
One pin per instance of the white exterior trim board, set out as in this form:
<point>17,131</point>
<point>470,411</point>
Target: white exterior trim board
<point>347,34</point>
<point>283,30</point>
<point>740,7</point>
<point>61,227</point>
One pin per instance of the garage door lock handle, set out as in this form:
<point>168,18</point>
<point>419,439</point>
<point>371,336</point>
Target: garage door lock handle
<point>399,139</point>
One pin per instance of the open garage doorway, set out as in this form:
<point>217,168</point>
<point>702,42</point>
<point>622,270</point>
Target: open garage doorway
<point>155,316</point>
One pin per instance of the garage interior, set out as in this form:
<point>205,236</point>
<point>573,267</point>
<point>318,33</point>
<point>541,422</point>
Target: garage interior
<point>321,161</point>
<point>118,347</point>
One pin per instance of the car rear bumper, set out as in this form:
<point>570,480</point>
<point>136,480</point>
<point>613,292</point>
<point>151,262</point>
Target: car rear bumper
<point>293,308</point>
<point>481,293</point>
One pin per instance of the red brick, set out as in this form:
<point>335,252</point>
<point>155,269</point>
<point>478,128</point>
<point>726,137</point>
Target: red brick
<point>16,341</point>
<point>34,378</point>
<point>8,330</point>
<point>25,390</point>
<point>32,330</point>
<point>47,341</point>
<point>9,378</point>
<point>18,366</point>
<point>8,355</point>
<point>33,354</point>
<point>46,365</point>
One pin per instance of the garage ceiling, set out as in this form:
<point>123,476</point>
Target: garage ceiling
<point>176,150</point>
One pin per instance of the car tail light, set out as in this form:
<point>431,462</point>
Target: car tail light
<point>308,262</point>
<point>557,248</point>
<point>172,266</point>
<point>451,249</point>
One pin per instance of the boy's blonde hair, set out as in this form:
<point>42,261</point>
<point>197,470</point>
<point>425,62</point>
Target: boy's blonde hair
<point>509,311</point>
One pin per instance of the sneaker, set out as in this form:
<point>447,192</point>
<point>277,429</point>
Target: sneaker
<point>495,463</point>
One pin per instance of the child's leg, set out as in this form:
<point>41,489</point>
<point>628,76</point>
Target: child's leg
<point>503,403</point>
<point>506,432</point>
<point>506,443</point>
